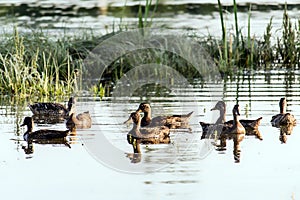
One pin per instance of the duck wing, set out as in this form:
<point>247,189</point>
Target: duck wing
<point>48,134</point>
<point>48,109</point>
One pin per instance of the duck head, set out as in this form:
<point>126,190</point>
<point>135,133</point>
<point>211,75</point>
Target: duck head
<point>236,110</point>
<point>28,122</point>
<point>282,105</point>
<point>219,106</point>
<point>134,117</point>
<point>144,107</point>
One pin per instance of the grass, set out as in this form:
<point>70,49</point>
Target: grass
<point>34,65</point>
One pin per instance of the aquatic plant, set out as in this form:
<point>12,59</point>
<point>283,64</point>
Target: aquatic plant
<point>34,65</point>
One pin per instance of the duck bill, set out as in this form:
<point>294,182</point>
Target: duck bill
<point>139,110</point>
<point>128,121</point>
<point>214,108</point>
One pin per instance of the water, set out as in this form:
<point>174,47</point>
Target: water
<point>188,167</point>
<point>267,168</point>
<point>184,16</point>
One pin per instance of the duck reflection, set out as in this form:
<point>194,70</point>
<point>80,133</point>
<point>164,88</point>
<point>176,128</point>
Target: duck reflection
<point>43,136</point>
<point>236,145</point>
<point>236,132</point>
<point>29,148</point>
<point>136,156</point>
<point>284,131</point>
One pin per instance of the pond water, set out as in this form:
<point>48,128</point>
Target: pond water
<point>187,167</point>
<point>185,16</point>
<point>99,163</point>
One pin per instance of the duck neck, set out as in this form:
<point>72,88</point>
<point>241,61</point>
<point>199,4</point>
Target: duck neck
<point>221,118</point>
<point>283,108</point>
<point>235,119</point>
<point>147,115</point>
<point>27,133</point>
<point>29,128</point>
<point>136,128</point>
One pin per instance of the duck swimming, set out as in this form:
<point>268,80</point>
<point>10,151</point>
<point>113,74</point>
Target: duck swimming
<point>283,118</point>
<point>41,134</point>
<point>159,133</point>
<point>236,131</point>
<point>172,122</point>
<point>52,109</point>
<point>81,121</point>
<point>251,126</point>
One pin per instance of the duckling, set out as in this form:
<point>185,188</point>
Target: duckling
<point>283,118</point>
<point>52,109</point>
<point>173,121</point>
<point>81,121</point>
<point>159,133</point>
<point>41,134</point>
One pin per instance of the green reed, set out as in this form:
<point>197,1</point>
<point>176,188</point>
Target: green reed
<point>236,52</point>
<point>33,65</point>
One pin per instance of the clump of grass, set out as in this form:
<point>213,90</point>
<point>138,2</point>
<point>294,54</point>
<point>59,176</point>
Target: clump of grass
<point>266,50</point>
<point>287,44</point>
<point>235,53</point>
<point>34,65</point>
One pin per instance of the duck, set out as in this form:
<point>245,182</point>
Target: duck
<point>52,109</point>
<point>209,128</point>
<point>172,122</point>
<point>159,132</point>
<point>283,118</point>
<point>251,126</point>
<point>81,121</point>
<point>41,134</point>
<point>236,132</point>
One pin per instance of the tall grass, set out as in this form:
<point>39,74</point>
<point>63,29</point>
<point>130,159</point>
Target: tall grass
<point>236,52</point>
<point>35,66</point>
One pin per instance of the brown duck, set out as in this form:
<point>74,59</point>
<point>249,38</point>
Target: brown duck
<point>81,121</point>
<point>251,126</point>
<point>172,122</point>
<point>159,132</point>
<point>283,118</point>
<point>236,132</point>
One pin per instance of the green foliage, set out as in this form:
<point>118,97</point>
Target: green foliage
<point>33,65</point>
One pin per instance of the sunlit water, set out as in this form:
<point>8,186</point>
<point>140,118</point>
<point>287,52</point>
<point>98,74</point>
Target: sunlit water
<point>188,16</point>
<point>187,167</point>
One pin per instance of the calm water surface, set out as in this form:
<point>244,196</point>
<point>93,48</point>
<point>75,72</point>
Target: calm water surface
<point>189,168</point>
<point>185,16</point>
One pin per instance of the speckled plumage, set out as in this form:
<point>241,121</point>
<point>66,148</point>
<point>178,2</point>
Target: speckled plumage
<point>52,109</point>
<point>172,122</point>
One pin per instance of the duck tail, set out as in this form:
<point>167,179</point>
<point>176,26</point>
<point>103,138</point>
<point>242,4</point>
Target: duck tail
<point>256,122</point>
<point>188,116</point>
